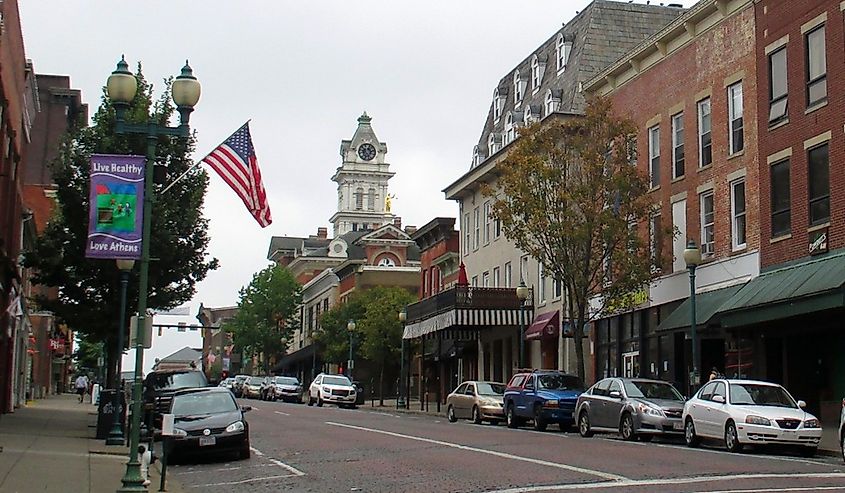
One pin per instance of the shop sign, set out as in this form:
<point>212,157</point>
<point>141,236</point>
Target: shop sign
<point>818,241</point>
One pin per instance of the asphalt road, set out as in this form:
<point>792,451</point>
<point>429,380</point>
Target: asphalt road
<point>310,449</point>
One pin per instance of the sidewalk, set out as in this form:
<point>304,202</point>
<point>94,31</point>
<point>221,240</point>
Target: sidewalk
<point>49,446</point>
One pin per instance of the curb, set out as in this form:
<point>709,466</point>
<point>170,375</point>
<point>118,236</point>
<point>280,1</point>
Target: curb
<point>405,411</point>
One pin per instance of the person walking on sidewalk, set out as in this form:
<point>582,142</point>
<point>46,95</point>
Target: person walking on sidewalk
<point>81,386</point>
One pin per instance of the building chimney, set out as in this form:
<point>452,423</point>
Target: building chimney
<point>410,230</point>
<point>397,221</point>
<point>322,233</point>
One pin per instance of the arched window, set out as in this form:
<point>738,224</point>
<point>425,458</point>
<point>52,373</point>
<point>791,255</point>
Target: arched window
<point>386,262</point>
<point>517,88</point>
<point>476,157</point>
<point>371,199</point>
<point>535,73</point>
<point>510,129</point>
<point>551,105</point>
<point>562,49</point>
<point>491,144</point>
<point>527,117</point>
<point>359,198</point>
<point>497,104</point>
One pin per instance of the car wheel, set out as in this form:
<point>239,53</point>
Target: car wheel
<point>731,438</point>
<point>584,425</point>
<point>511,417</point>
<point>539,423</point>
<point>245,453</point>
<point>319,401</point>
<point>626,428</point>
<point>310,401</point>
<point>689,434</point>
<point>450,414</point>
<point>476,416</point>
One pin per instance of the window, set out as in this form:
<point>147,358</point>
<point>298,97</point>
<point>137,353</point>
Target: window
<point>654,238</point>
<point>510,129</point>
<point>326,305</point>
<point>654,155</point>
<point>475,281</point>
<point>551,107</point>
<point>477,231</point>
<point>359,198</point>
<point>497,228</point>
<point>486,222</point>
<point>778,88</point>
<point>562,49</point>
<point>781,217</point>
<point>541,283</point>
<point>517,88</point>
<point>557,288</point>
<point>705,145</point>
<point>508,275</point>
<point>386,262</point>
<point>816,67</point>
<point>497,105</point>
<point>485,280</point>
<point>491,144</point>
<point>476,156</point>
<point>738,214</point>
<point>708,218</point>
<point>678,145</point>
<point>371,199</point>
<point>466,233</point>
<point>819,175</point>
<point>496,277</point>
<point>523,268</point>
<point>736,136</point>
<point>535,73</point>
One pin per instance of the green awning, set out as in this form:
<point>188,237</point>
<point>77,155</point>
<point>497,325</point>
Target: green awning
<point>796,289</point>
<point>707,304</point>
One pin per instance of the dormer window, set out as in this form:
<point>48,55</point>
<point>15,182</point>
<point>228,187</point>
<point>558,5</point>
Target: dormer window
<point>494,143</point>
<point>476,156</point>
<point>551,103</point>
<point>517,88</point>
<point>497,105</point>
<point>531,115</point>
<point>535,73</point>
<point>510,129</point>
<point>562,49</point>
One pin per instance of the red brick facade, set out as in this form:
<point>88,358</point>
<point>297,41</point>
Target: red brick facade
<point>804,126</point>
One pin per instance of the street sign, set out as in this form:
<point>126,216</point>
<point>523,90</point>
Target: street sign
<point>148,331</point>
<point>167,424</point>
<point>350,364</point>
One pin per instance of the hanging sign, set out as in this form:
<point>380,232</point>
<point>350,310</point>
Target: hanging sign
<point>116,199</point>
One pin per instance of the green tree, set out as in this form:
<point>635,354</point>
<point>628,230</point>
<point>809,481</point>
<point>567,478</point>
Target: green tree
<point>88,289</point>
<point>569,195</point>
<point>333,337</point>
<point>267,314</point>
<point>87,353</point>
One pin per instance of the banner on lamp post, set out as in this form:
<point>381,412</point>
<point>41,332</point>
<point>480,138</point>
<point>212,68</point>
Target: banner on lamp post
<point>115,199</point>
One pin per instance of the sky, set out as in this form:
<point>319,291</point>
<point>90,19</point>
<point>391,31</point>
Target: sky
<point>303,72</point>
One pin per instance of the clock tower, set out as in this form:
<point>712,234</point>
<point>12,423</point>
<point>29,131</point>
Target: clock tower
<point>363,202</point>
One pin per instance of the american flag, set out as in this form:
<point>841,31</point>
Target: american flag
<point>234,160</point>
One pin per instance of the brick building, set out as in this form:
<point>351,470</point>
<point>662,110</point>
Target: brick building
<point>691,90</point>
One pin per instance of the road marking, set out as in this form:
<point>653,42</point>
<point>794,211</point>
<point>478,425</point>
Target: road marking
<point>256,451</point>
<point>591,472</point>
<point>283,414</point>
<point>251,480</point>
<point>385,414</point>
<point>294,471</point>
<point>629,483</point>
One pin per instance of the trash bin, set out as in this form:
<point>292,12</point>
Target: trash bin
<point>105,412</point>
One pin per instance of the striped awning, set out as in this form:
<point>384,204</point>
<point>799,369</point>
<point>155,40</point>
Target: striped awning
<point>467,319</point>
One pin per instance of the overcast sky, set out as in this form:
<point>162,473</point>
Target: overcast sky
<point>303,72</point>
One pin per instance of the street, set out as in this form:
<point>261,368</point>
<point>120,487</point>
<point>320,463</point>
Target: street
<point>300,448</point>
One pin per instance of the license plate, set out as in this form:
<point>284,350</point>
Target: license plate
<point>678,426</point>
<point>205,441</point>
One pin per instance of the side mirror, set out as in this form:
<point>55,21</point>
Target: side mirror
<point>615,394</point>
<point>718,398</point>
<point>802,404</point>
<point>246,408</point>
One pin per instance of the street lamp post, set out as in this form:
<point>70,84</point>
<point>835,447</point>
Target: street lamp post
<point>400,402</point>
<point>121,88</point>
<point>522,294</point>
<point>116,433</point>
<point>350,326</point>
<point>692,257</point>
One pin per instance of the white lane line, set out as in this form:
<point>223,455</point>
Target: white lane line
<point>256,451</point>
<point>591,472</point>
<point>206,471</point>
<point>629,483</point>
<point>385,414</point>
<point>294,471</point>
<point>251,480</point>
<point>283,414</point>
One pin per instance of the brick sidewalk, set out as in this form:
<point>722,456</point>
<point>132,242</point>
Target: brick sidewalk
<point>49,446</point>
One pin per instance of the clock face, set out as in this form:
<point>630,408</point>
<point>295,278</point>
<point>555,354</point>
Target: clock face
<point>366,152</point>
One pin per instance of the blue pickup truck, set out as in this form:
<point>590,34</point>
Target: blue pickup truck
<point>542,396</point>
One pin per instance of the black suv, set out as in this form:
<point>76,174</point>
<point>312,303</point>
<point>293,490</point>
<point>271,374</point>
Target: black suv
<point>159,387</point>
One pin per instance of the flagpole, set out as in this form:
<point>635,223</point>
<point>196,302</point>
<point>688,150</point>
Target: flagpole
<point>190,168</point>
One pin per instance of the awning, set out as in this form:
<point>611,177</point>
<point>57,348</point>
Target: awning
<point>797,289</point>
<point>707,304</point>
<point>466,319</point>
<point>545,325</point>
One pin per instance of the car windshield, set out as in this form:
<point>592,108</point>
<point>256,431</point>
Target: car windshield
<point>556,381</point>
<point>486,388</point>
<point>336,381</point>
<point>166,381</point>
<point>287,381</point>
<point>241,378</point>
<point>652,390</point>
<point>203,403</point>
<point>760,395</point>
<point>256,380</point>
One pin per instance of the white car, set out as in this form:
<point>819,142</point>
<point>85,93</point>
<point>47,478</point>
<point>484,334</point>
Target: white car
<point>333,389</point>
<point>745,412</point>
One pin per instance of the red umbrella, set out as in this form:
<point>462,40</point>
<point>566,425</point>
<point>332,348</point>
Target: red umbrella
<point>462,276</point>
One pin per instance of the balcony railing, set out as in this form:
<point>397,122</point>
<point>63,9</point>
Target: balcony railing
<point>465,297</point>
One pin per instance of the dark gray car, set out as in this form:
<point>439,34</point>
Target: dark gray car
<point>633,407</point>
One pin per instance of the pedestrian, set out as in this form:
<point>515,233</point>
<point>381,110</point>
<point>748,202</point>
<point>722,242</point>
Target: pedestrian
<point>81,386</point>
<point>714,374</point>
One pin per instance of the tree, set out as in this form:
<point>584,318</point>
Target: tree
<point>267,314</point>
<point>569,194</point>
<point>333,337</point>
<point>88,289</point>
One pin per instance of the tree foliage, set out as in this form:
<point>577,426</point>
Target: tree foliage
<point>569,194</point>
<point>333,336</point>
<point>88,289</point>
<point>267,314</point>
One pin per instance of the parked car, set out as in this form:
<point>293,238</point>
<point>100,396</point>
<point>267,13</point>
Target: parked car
<point>478,401</point>
<point>208,420</point>
<point>842,430</point>
<point>238,385</point>
<point>267,390</point>
<point>633,407</point>
<point>227,383</point>
<point>252,388</point>
<point>543,396</point>
<point>334,389</point>
<point>161,385</point>
<point>743,412</point>
<point>287,389</point>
